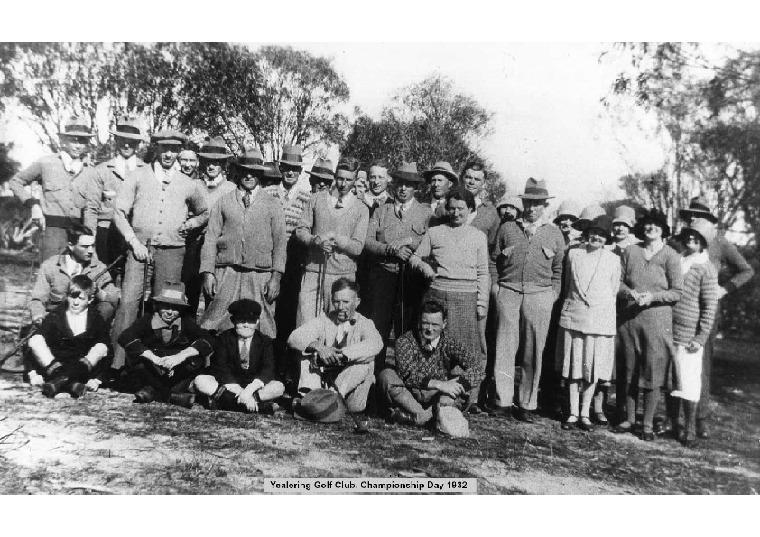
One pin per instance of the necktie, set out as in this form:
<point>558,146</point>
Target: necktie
<point>339,203</point>
<point>341,336</point>
<point>247,199</point>
<point>244,353</point>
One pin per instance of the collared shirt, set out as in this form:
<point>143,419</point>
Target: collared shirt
<point>70,165</point>
<point>402,208</point>
<point>371,199</point>
<point>285,193</point>
<point>164,176</point>
<point>434,204</point>
<point>73,268</point>
<point>241,193</point>
<point>77,322</point>
<point>362,344</point>
<point>345,202</point>
<point>157,323</point>
<point>123,165</point>
<point>431,346</point>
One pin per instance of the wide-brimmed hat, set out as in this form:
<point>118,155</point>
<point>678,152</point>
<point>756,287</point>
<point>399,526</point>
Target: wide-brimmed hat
<point>271,172</point>
<point>441,168</point>
<point>322,169</point>
<point>587,215</point>
<point>172,293</point>
<point>510,199</point>
<point>320,405</point>
<point>169,136</point>
<point>130,128</point>
<point>245,308</point>
<point>407,172</point>
<point>653,216</point>
<point>535,190</point>
<point>624,215</point>
<point>603,223</point>
<point>214,149</point>
<point>251,160</point>
<point>452,422</point>
<point>76,126</point>
<point>569,208</point>
<point>291,154</point>
<point>698,207</point>
<point>691,232</point>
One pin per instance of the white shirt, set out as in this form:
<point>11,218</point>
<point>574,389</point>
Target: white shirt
<point>164,176</point>
<point>123,165</point>
<point>71,165</point>
<point>77,322</point>
<point>345,202</point>
<point>403,207</point>
<point>73,268</point>
<point>430,347</point>
<point>380,198</point>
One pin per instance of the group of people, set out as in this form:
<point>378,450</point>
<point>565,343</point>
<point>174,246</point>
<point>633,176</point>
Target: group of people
<point>492,309</point>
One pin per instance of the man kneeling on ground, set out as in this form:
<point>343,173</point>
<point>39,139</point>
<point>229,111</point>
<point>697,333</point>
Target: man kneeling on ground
<point>71,343</point>
<point>433,376</point>
<point>341,345</point>
<point>165,350</point>
<point>241,376</point>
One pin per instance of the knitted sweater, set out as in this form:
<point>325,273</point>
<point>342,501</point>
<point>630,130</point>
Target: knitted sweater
<point>459,256</point>
<point>694,314</point>
<point>293,206</point>
<point>418,367</point>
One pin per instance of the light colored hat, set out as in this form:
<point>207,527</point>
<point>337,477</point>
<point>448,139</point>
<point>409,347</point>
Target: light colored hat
<point>214,149</point>
<point>569,208</point>
<point>172,293</point>
<point>587,215</point>
<point>322,169</point>
<point>443,168</point>
<point>624,215</point>
<point>77,126</point>
<point>536,190</point>
<point>452,422</point>
<point>130,128</point>
<point>510,199</point>
<point>291,154</point>
<point>169,136</point>
<point>320,405</point>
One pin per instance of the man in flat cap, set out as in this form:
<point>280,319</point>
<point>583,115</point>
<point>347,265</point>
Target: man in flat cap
<point>333,228</point>
<point>527,273</point>
<point>243,254</point>
<point>213,157</point>
<point>156,207</point>
<point>66,180</point>
<point>442,179</point>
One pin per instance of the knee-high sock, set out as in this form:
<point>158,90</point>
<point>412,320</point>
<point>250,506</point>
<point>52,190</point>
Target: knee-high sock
<point>573,391</point>
<point>587,395</point>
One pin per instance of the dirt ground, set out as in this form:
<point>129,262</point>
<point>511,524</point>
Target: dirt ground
<point>105,444</point>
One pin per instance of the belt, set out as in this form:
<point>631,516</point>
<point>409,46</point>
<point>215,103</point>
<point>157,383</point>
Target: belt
<point>52,220</point>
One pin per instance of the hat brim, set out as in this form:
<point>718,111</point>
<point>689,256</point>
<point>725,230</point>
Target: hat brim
<point>626,222</point>
<point>251,168</point>
<point>168,141</point>
<point>77,133</point>
<point>323,177</point>
<point>172,301</point>
<point>403,176</point>
<point>685,213</point>
<point>535,197</point>
<point>427,175</point>
<point>291,162</point>
<point>213,156</point>
<point>128,135</point>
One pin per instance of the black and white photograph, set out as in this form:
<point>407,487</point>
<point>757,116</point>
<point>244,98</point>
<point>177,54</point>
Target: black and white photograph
<point>314,265</point>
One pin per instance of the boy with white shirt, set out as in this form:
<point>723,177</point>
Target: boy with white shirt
<point>69,348</point>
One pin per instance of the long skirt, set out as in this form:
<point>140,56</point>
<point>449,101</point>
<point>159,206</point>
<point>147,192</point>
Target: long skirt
<point>462,323</point>
<point>586,357</point>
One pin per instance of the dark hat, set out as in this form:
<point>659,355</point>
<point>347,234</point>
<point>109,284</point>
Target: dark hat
<point>214,149</point>
<point>349,164</point>
<point>441,168</point>
<point>251,160</point>
<point>169,136</point>
<point>320,405</point>
<point>245,308</point>
<point>407,172</point>
<point>172,293</point>
<point>291,154</point>
<point>698,207</point>
<point>76,126</point>
<point>129,128</point>
<point>322,169</point>
<point>689,232</point>
<point>603,223</point>
<point>653,216</point>
<point>535,190</point>
<point>271,172</point>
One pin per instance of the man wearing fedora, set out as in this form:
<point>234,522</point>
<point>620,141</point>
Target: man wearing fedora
<point>243,254</point>
<point>733,273</point>
<point>333,228</point>
<point>342,344</point>
<point>213,157</point>
<point>395,231</point>
<point>156,206</point>
<point>109,176</point>
<point>242,373</point>
<point>527,270</point>
<point>165,349</point>
<point>66,180</point>
<point>442,179</point>
<point>285,188</point>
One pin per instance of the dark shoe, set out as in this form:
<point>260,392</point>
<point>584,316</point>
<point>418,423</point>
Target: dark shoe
<point>585,424</point>
<point>623,427</point>
<point>703,430</point>
<point>569,424</point>
<point>474,409</point>
<point>689,441</point>
<point>147,394</point>
<point>182,399</point>
<point>77,390</point>
<point>525,416</point>
<point>55,386</point>
<point>501,412</point>
<point>647,436</point>
<point>266,409</point>
<point>401,417</point>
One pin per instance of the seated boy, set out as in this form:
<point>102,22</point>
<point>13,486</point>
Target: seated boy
<point>165,350</point>
<point>433,376</point>
<point>69,348</point>
<point>241,376</point>
<point>342,344</point>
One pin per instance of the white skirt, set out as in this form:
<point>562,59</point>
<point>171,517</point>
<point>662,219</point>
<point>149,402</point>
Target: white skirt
<point>688,374</point>
<point>586,357</point>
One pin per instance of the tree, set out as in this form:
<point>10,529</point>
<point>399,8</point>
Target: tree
<point>8,166</point>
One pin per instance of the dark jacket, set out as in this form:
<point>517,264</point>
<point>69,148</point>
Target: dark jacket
<point>226,365</point>
<point>64,345</point>
<point>143,336</point>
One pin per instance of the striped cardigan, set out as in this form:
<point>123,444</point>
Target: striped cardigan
<point>694,314</point>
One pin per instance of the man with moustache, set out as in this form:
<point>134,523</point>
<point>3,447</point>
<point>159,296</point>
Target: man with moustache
<point>109,176</point>
<point>442,179</point>
<point>159,204</point>
<point>526,269</point>
<point>333,228</point>
<point>66,180</point>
